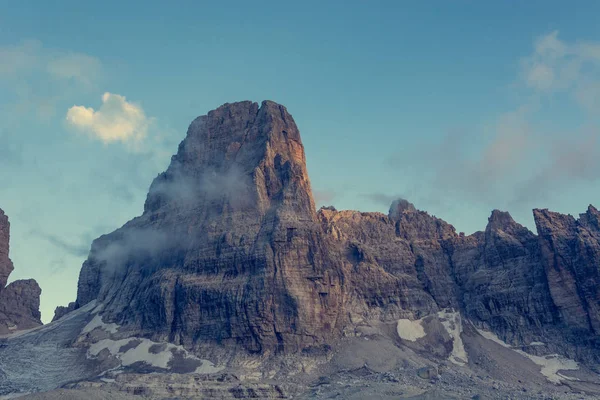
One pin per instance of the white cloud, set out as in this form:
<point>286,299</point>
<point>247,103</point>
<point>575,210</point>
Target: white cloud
<point>559,66</point>
<point>117,120</point>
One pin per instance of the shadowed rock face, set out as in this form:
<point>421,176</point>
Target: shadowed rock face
<point>231,250</point>
<point>570,253</point>
<point>495,277</point>
<point>228,248</point>
<point>20,300</point>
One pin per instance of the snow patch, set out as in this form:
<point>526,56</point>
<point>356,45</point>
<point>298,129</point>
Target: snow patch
<point>452,322</point>
<point>97,322</point>
<point>410,330</point>
<point>141,353</point>
<point>550,364</point>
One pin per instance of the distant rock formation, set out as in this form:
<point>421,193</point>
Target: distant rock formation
<point>230,250</point>
<point>20,300</point>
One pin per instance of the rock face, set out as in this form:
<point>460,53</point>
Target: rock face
<point>230,250</point>
<point>20,300</point>
<point>570,253</point>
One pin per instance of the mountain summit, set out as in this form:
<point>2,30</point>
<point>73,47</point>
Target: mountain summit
<point>228,248</point>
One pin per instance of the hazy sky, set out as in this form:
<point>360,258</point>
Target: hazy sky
<point>460,107</point>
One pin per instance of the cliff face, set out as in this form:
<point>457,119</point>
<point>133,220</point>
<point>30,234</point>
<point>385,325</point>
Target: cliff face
<point>228,248</point>
<point>231,250</point>
<point>20,300</point>
<point>570,253</point>
<point>496,278</point>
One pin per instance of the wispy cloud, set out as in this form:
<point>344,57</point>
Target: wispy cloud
<point>74,66</point>
<point>559,66</point>
<point>79,247</point>
<point>117,120</point>
<point>77,250</point>
<point>38,77</point>
<point>515,160</point>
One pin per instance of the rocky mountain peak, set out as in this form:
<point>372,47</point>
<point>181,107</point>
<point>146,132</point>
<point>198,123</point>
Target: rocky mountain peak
<point>240,154</point>
<point>502,221</point>
<point>547,221</point>
<point>229,248</point>
<point>591,218</point>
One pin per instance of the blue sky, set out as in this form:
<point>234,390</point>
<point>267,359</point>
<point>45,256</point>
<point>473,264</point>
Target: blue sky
<point>460,107</point>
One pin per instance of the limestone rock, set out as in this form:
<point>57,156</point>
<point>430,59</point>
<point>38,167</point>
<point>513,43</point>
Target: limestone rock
<point>20,300</point>
<point>228,249</point>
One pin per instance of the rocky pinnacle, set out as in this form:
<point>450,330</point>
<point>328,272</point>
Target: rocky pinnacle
<point>20,300</point>
<point>230,251</point>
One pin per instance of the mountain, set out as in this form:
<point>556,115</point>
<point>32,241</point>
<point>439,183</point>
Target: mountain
<point>20,300</point>
<point>230,250</point>
<point>232,284</point>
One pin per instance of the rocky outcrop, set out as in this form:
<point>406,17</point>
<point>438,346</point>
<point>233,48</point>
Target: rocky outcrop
<point>230,250</point>
<point>20,300</point>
